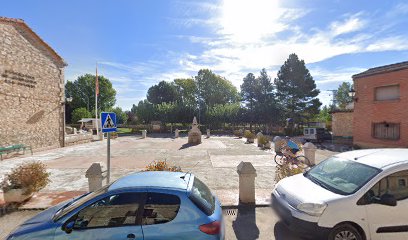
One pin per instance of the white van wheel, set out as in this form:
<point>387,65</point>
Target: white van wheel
<point>345,232</point>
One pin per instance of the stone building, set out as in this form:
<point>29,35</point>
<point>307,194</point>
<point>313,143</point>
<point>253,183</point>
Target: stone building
<point>380,116</point>
<point>342,126</point>
<point>31,88</point>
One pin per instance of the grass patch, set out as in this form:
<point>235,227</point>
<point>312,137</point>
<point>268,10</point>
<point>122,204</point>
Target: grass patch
<point>124,130</point>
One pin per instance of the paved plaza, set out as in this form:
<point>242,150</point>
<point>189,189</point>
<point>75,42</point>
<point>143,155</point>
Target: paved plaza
<point>215,161</point>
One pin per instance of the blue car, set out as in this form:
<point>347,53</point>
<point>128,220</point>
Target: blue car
<point>144,205</point>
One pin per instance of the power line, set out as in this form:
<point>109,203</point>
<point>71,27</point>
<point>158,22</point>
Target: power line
<point>334,96</point>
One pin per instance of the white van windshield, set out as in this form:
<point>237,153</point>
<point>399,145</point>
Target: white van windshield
<point>341,176</point>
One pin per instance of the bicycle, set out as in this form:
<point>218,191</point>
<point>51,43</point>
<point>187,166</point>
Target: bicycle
<point>288,155</point>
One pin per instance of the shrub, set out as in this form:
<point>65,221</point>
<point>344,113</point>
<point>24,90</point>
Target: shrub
<point>238,133</point>
<point>249,134</point>
<point>31,177</point>
<point>80,113</point>
<point>263,140</point>
<point>286,170</point>
<point>162,166</point>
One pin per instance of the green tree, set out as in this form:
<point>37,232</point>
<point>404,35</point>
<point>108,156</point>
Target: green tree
<point>166,112</point>
<point>187,88</point>
<point>214,89</point>
<point>325,116</point>
<point>121,116</point>
<point>342,95</point>
<point>249,92</point>
<point>145,111</point>
<point>296,90</point>
<point>222,113</point>
<point>80,113</point>
<point>82,91</point>
<point>267,108</point>
<point>164,92</point>
<point>132,118</point>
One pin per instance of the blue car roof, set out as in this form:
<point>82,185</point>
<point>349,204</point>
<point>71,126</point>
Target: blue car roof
<point>155,179</point>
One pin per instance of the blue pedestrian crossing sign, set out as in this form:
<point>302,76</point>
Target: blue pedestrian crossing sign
<point>108,122</point>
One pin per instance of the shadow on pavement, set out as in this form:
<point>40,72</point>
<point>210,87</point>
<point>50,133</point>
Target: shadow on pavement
<point>281,232</point>
<point>244,226</point>
<point>187,145</point>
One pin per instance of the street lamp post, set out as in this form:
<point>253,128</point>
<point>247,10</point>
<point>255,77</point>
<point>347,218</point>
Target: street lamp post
<point>352,94</point>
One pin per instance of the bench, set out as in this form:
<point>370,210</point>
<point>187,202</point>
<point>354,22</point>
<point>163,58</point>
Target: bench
<point>14,148</point>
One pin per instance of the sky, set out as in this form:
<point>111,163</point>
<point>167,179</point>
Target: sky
<point>140,43</point>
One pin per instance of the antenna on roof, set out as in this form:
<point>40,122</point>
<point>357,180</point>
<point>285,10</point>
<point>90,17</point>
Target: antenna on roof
<point>189,170</point>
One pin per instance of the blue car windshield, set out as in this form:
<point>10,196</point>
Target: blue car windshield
<point>78,202</point>
<point>341,176</point>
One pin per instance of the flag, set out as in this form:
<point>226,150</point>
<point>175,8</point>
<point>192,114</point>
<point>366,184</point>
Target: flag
<point>97,82</point>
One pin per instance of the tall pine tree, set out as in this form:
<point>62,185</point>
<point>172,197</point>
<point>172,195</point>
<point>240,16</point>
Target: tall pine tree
<point>296,90</point>
<point>267,108</point>
<point>249,90</point>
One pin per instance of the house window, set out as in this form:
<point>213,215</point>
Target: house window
<point>386,130</point>
<point>402,183</point>
<point>387,93</point>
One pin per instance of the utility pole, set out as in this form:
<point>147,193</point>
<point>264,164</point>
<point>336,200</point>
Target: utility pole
<point>334,100</point>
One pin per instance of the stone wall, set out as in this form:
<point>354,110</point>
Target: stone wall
<point>31,91</point>
<point>342,124</point>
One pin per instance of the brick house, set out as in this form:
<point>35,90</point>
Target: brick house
<point>380,116</point>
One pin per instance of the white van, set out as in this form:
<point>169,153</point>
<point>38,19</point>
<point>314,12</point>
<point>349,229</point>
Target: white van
<point>354,195</point>
<point>314,134</point>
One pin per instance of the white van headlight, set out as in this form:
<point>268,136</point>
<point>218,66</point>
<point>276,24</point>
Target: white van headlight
<point>315,209</point>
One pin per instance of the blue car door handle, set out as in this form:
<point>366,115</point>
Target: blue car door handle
<point>131,236</point>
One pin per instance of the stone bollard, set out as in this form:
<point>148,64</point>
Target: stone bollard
<point>144,133</point>
<point>208,133</point>
<point>247,174</point>
<point>101,136</point>
<point>276,140</point>
<point>94,175</point>
<point>176,133</point>
<point>310,152</point>
<point>258,136</point>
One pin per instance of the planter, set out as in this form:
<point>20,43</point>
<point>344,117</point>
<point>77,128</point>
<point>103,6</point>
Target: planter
<point>250,140</point>
<point>16,195</point>
<point>267,145</point>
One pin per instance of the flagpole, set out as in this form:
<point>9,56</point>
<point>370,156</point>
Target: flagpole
<point>96,101</point>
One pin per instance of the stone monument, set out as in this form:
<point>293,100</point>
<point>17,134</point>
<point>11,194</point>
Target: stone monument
<point>194,135</point>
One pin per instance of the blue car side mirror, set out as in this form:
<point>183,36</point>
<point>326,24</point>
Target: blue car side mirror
<point>69,226</point>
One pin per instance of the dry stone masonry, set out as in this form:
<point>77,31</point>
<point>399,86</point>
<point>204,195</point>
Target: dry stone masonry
<point>31,88</point>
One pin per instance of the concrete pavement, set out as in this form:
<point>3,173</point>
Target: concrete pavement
<point>214,161</point>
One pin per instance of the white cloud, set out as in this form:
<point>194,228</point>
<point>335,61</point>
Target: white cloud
<point>248,40</point>
<point>389,43</point>
<point>247,36</point>
<point>324,76</point>
<point>352,24</point>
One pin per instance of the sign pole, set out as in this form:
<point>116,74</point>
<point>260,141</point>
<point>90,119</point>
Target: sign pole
<point>108,155</point>
<point>108,125</point>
